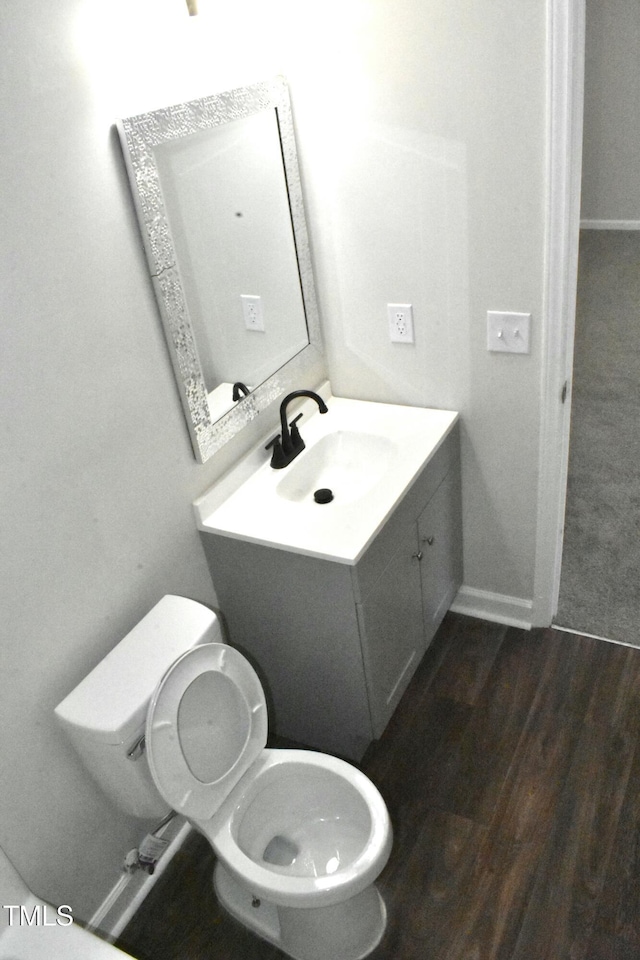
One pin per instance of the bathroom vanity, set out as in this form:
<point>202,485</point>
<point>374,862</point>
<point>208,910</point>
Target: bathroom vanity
<point>336,603</point>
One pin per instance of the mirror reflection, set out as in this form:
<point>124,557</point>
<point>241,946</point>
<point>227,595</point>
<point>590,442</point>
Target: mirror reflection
<point>227,206</point>
<point>217,192</point>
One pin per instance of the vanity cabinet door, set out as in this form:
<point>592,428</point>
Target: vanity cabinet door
<point>440,539</point>
<point>391,628</point>
<point>294,616</point>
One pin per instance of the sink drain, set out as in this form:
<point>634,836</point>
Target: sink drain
<point>323,495</point>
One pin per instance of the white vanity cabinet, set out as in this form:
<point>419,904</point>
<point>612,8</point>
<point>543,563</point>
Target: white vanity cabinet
<point>336,643</point>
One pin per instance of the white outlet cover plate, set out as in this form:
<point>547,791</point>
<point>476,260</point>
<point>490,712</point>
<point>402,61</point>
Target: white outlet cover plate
<point>508,332</point>
<point>252,312</point>
<point>400,317</point>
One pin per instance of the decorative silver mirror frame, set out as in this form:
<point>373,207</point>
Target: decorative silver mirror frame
<point>139,135</point>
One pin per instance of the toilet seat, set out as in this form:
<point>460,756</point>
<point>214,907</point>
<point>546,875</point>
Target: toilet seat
<point>206,725</point>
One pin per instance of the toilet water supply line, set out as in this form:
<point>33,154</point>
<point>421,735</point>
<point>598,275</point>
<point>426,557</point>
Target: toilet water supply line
<point>146,856</point>
<point>110,918</point>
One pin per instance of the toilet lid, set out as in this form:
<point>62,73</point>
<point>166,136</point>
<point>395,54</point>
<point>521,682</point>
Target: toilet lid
<point>206,724</point>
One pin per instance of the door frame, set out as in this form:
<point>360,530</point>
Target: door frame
<point>565,111</point>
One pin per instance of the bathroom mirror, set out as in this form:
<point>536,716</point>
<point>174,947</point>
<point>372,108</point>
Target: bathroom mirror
<point>217,192</point>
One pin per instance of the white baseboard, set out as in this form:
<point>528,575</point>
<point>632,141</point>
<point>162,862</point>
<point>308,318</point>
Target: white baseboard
<point>610,224</point>
<point>594,636</point>
<point>513,611</point>
<point>128,892</point>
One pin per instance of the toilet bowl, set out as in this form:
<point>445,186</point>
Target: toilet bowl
<point>300,836</point>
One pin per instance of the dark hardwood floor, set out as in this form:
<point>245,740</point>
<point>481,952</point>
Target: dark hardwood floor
<point>511,771</point>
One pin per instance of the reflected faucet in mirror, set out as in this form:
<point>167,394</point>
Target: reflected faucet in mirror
<point>240,391</point>
<point>288,443</point>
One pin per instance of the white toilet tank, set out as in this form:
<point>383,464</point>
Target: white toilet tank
<point>105,714</point>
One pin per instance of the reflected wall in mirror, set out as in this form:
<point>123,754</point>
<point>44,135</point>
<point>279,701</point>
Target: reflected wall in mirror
<point>217,192</point>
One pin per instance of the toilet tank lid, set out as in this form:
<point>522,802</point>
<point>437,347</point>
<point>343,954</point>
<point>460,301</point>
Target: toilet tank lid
<point>110,704</point>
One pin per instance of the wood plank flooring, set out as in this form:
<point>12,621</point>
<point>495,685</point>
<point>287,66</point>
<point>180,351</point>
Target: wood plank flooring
<point>511,771</point>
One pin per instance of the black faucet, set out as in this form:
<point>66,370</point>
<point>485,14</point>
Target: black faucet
<point>288,443</point>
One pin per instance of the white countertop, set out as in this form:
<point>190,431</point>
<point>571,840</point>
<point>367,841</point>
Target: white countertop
<point>385,447</point>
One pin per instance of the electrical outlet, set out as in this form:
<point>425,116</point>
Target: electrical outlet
<point>400,322</point>
<point>252,312</point>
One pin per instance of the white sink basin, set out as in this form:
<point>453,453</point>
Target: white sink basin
<point>367,454</point>
<point>345,462</point>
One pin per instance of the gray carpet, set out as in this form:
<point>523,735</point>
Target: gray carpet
<point>600,582</point>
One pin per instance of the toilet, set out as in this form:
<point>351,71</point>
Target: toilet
<point>300,836</point>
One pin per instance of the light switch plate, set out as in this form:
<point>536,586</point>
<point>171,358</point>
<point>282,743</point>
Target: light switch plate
<point>508,332</point>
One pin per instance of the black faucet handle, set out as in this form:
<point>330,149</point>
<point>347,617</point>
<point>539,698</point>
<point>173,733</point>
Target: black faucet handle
<point>297,442</point>
<point>278,458</point>
<point>275,442</point>
<point>292,425</point>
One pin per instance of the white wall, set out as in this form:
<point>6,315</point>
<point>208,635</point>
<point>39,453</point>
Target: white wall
<point>430,191</point>
<point>421,142</point>
<point>97,469</point>
<point>611,157</point>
